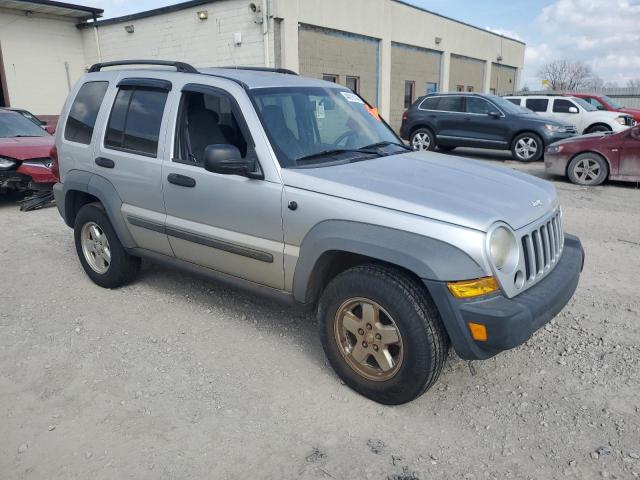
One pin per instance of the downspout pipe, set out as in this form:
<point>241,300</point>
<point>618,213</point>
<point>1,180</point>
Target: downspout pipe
<point>265,32</point>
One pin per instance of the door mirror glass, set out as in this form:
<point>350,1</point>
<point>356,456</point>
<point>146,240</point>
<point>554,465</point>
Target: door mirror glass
<point>573,110</point>
<point>225,159</point>
<point>494,114</point>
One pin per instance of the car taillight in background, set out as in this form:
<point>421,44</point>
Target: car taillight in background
<point>404,115</point>
<point>55,168</point>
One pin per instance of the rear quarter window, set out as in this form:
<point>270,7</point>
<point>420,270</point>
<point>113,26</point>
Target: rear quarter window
<point>84,111</point>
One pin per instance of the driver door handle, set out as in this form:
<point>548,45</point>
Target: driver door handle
<point>181,180</point>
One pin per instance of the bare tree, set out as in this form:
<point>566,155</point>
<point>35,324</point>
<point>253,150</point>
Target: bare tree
<point>565,75</point>
<point>634,83</point>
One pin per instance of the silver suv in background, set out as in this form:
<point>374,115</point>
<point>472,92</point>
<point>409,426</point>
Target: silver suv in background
<point>297,189</point>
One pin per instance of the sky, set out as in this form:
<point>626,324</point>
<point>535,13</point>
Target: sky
<point>603,33</point>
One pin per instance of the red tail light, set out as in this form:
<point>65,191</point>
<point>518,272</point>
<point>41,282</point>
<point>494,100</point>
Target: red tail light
<point>404,115</point>
<point>55,168</point>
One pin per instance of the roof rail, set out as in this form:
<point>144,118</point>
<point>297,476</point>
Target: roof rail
<point>285,71</point>
<point>535,94</point>
<point>179,66</point>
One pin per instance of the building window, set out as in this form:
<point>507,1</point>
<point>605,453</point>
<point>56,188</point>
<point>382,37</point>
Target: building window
<point>329,77</point>
<point>353,84</point>
<point>470,88</point>
<point>432,87</point>
<point>459,88</point>
<point>409,89</point>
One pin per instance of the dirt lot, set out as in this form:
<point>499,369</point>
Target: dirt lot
<point>175,377</point>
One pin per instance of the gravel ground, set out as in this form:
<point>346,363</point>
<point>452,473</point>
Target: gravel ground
<point>178,377</point>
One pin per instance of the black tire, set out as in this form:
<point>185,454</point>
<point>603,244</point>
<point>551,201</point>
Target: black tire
<point>425,343</point>
<point>598,128</point>
<point>122,267</point>
<point>423,139</point>
<point>446,148</point>
<point>531,140</point>
<point>589,169</point>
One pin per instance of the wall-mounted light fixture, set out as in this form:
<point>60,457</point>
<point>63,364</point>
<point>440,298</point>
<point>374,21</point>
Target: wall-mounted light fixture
<point>129,28</point>
<point>203,14</point>
<point>438,40</point>
<point>499,58</point>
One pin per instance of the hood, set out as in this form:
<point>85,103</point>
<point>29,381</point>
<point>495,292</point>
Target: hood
<point>451,189</point>
<point>25,148</point>
<point>634,112</point>
<point>590,137</point>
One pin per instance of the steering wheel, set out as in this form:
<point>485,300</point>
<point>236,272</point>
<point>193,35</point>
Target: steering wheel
<point>346,137</point>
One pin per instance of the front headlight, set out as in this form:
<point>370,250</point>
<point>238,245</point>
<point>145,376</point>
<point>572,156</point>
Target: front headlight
<point>553,149</point>
<point>503,248</point>
<point>554,128</point>
<point>621,120</point>
<point>6,163</point>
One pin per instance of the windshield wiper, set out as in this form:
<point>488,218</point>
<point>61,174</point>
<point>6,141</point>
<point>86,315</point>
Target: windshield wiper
<point>337,151</point>
<point>385,144</point>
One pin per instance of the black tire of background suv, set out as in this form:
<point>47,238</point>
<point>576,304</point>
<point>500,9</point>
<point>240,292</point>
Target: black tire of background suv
<point>424,338</point>
<point>539,152</point>
<point>432,138</point>
<point>123,268</point>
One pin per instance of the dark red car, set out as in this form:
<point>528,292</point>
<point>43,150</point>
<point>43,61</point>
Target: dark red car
<point>602,102</point>
<point>592,159</point>
<point>25,163</point>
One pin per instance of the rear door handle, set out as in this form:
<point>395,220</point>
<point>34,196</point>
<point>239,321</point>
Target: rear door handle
<point>181,180</point>
<point>105,162</point>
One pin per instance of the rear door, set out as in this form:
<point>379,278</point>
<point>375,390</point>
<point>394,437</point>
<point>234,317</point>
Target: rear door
<point>482,129</point>
<point>130,156</point>
<point>450,120</point>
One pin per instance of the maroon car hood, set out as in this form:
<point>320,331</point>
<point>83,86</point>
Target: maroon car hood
<point>25,148</point>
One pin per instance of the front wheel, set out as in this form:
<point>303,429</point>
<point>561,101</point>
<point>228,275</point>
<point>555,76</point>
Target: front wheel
<point>598,128</point>
<point>527,147</point>
<point>382,333</point>
<point>423,139</point>
<point>101,254</point>
<point>588,169</point>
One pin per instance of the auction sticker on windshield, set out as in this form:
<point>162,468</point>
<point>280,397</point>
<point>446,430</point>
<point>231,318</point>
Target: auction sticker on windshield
<point>352,97</point>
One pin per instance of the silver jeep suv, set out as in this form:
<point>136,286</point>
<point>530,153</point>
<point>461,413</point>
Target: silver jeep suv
<point>297,189</point>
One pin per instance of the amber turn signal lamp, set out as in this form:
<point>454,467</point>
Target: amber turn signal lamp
<point>478,331</point>
<point>473,288</point>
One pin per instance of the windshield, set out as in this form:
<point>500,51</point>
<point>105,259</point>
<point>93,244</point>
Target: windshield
<point>612,103</point>
<point>508,107</point>
<point>15,125</point>
<point>314,122</point>
<point>584,104</point>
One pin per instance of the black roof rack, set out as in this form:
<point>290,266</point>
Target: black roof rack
<point>285,71</point>
<point>179,66</point>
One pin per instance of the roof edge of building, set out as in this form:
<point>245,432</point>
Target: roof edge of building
<point>147,13</point>
<point>92,11</point>
<point>411,5</point>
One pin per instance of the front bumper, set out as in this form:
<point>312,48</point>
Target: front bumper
<point>509,321</point>
<point>555,164</point>
<point>552,137</point>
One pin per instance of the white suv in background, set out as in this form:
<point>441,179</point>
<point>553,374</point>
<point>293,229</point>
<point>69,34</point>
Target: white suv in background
<point>575,111</point>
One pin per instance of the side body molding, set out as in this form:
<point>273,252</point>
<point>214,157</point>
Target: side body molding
<point>426,257</point>
<point>100,188</point>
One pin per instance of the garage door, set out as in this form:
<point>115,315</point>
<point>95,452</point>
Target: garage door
<point>503,78</point>
<point>348,59</point>
<point>466,74</point>
<point>414,72</point>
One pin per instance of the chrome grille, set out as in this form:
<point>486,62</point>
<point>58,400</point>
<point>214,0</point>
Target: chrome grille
<point>542,247</point>
<point>570,129</point>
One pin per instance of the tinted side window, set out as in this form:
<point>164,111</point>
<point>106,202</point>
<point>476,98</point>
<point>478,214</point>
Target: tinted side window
<point>450,104</point>
<point>430,103</point>
<point>479,105</point>
<point>537,104</point>
<point>134,124</point>
<point>84,111</point>
<point>562,106</point>
<point>515,101</point>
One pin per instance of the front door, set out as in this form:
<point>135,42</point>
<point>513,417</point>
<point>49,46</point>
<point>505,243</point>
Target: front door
<point>565,111</point>
<point>482,128</point>
<point>229,223</point>
<point>630,156</point>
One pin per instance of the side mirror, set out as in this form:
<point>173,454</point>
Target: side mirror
<point>494,114</point>
<point>600,107</point>
<point>573,110</point>
<point>226,160</point>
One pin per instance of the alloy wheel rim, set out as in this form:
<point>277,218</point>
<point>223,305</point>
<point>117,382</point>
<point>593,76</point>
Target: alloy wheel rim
<point>526,148</point>
<point>95,247</point>
<point>587,170</point>
<point>368,339</point>
<point>421,141</point>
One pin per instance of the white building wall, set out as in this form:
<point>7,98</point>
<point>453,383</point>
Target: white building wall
<point>181,35</point>
<point>35,49</point>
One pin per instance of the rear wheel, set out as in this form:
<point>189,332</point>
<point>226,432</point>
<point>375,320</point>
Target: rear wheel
<point>101,254</point>
<point>527,147</point>
<point>588,169</point>
<point>382,333</point>
<point>423,139</point>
